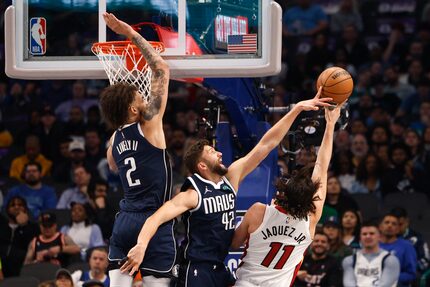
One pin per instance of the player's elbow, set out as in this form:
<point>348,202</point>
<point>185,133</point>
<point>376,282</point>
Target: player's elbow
<point>236,244</point>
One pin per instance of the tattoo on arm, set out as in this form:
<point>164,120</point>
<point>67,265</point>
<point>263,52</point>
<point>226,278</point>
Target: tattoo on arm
<point>159,78</point>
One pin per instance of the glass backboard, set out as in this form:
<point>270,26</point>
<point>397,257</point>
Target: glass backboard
<point>52,39</point>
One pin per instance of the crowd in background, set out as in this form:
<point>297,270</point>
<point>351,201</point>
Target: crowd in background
<point>53,144</point>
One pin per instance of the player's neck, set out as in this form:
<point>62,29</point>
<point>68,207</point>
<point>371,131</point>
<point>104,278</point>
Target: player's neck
<point>211,176</point>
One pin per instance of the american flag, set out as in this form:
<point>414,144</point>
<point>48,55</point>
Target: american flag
<point>246,43</point>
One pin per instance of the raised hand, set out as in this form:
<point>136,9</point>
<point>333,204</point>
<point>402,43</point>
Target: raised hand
<point>315,103</point>
<point>333,114</point>
<point>118,26</point>
<point>134,259</point>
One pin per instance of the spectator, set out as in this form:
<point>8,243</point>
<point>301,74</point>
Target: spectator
<point>75,126</point>
<point>50,131</point>
<point>78,100</point>
<point>370,266</point>
<point>104,213</point>
<point>39,197</point>
<point>368,176</point>
<point>337,199</point>
<point>85,234</point>
<point>176,147</point>
<point>410,106</point>
<point>359,149</point>
<point>63,278</point>
<point>343,169</point>
<point>98,262</point>
<point>78,193</point>
<point>304,18</point>
<point>337,248</point>
<point>403,249</point>
<point>32,153</point>
<point>394,86</point>
<point>414,237</point>
<point>319,268</point>
<point>351,225</point>
<point>319,55</point>
<point>347,15</point>
<point>356,51</point>
<point>17,231</point>
<point>6,138</point>
<point>50,245</point>
<point>93,283</point>
<point>93,148</point>
<point>342,141</point>
<point>76,157</point>
<point>399,176</point>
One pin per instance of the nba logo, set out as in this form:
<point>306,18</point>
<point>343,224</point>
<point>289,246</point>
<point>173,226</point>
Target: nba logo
<point>37,36</point>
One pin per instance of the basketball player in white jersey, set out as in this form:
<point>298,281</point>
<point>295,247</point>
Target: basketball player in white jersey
<point>371,266</point>
<point>278,235</point>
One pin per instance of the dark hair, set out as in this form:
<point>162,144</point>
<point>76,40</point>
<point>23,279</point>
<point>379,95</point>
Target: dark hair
<point>320,232</point>
<point>391,214</point>
<point>90,251</point>
<point>362,174</point>
<point>89,212</point>
<point>92,186</point>
<point>9,203</point>
<point>115,101</point>
<point>336,162</point>
<point>35,163</point>
<point>358,225</point>
<point>193,154</point>
<point>296,194</point>
<point>399,212</point>
<point>370,223</point>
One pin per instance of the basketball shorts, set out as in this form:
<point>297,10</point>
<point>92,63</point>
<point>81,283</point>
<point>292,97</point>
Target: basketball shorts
<point>160,254</point>
<point>205,274</point>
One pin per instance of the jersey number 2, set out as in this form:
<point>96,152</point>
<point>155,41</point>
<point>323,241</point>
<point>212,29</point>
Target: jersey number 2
<point>130,161</point>
<point>275,247</point>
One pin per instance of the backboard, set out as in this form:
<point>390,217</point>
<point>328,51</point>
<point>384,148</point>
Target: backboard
<point>51,39</point>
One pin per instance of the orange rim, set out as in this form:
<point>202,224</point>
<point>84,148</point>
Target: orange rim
<point>120,46</point>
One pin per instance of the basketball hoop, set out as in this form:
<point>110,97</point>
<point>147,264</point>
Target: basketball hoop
<point>124,63</point>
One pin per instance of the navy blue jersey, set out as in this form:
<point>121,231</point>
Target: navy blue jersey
<point>145,170</point>
<point>210,226</point>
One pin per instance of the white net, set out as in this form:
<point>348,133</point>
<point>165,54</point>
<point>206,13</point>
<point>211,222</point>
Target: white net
<point>124,63</point>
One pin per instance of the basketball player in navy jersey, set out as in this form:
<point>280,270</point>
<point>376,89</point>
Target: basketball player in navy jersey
<point>208,198</point>
<point>277,236</point>
<point>138,152</point>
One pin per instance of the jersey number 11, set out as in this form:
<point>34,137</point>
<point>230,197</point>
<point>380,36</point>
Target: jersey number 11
<point>275,247</point>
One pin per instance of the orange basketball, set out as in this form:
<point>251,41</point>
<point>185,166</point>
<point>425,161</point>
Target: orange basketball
<point>337,84</point>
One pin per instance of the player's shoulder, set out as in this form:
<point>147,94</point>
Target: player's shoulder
<point>257,209</point>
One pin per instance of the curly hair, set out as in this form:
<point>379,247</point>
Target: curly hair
<point>115,101</point>
<point>296,194</point>
<point>193,154</point>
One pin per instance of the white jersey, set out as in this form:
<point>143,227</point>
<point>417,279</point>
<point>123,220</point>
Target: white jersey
<point>274,252</point>
<point>368,273</point>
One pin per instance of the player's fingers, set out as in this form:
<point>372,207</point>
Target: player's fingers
<point>317,96</point>
<point>133,270</point>
<point>325,99</point>
<point>324,104</point>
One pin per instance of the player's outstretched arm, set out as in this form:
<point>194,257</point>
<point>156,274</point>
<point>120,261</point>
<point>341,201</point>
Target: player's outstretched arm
<point>323,160</point>
<point>242,167</point>
<point>171,209</point>
<point>250,222</point>
<point>160,70</point>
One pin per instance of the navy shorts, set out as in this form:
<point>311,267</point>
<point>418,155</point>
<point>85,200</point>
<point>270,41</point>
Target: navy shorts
<point>160,254</point>
<point>205,274</point>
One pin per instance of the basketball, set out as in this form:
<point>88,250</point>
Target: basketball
<point>337,84</point>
